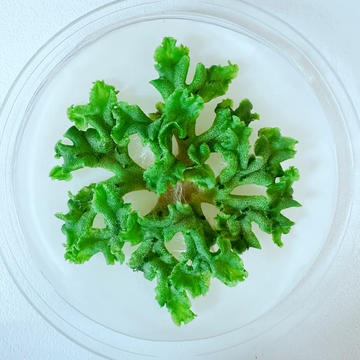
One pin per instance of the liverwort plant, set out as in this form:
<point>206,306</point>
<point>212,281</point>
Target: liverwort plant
<point>100,137</point>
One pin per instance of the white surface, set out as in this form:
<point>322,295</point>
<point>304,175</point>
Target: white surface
<point>265,77</point>
<point>333,332</point>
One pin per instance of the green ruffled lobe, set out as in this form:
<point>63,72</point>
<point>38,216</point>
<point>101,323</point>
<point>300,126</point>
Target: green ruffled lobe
<point>100,137</point>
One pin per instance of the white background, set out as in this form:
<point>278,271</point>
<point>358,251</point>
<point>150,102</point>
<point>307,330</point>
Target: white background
<point>333,330</point>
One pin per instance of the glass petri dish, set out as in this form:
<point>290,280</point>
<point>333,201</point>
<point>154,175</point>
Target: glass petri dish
<point>110,310</point>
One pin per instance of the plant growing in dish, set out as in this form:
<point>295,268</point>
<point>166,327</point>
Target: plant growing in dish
<point>100,137</point>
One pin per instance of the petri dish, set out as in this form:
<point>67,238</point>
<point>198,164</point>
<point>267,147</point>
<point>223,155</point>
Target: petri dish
<point>111,310</point>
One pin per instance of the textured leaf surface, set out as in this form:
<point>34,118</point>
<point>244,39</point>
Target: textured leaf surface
<point>100,138</point>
